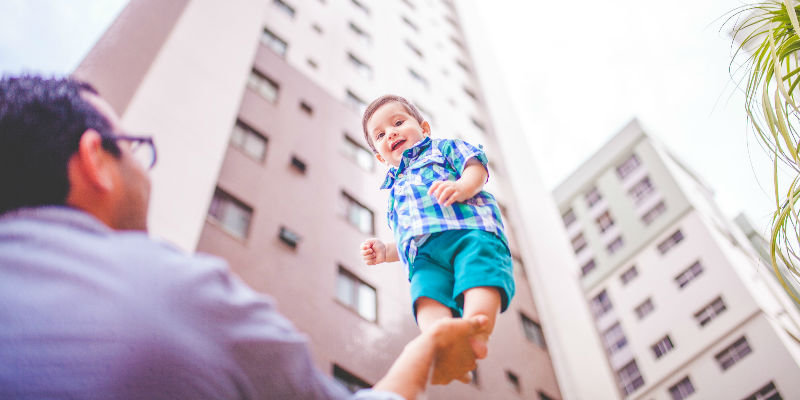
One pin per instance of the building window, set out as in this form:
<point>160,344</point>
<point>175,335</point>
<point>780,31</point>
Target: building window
<point>232,214</point>
<point>733,353</point>
<point>362,34</point>
<point>357,153</point>
<point>273,42</point>
<point>671,241</point>
<point>588,267</point>
<point>629,377</point>
<point>641,190</point>
<point>689,274</point>
<point>568,217</point>
<point>628,166</point>
<point>768,392</point>
<point>355,102</point>
<point>348,380</point>
<point>265,87</point>
<point>359,216</point>
<point>457,42</point>
<point>361,6</point>
<point>642,310</point>
<point>614,339</point>
<point>578,243</point>
<point>682,389</point>
<point>604,221</point>
<point>653,213</point>
<point>306,108</point>
<point>710,311</point>
<point>298,165</point>
<point>615,245</point>
<point>470,93</point>
<point>285,8</point>
<point>317,28</point>
<point>409,4</point>
<point>513,380</point>
<point>363,68</point>
<point>629,274</point>
<point>662,347</point>
<point>410,24</point>
<point>289,237</point>
<point>311,63</point>
<point>463,66</point>
<point>414,49</point>
<point>356,295</point>
<point>601,304</point>
<point>593,196</point>
<point>250,142</point>
<point>533,331</point>
<point>418,78</point>
<point>543,396</point>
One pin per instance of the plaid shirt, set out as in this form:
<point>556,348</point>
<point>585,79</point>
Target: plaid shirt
<point>414,214</point>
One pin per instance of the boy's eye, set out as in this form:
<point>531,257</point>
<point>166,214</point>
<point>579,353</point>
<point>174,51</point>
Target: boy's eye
<point>399,122</point>
<point>380,135</point>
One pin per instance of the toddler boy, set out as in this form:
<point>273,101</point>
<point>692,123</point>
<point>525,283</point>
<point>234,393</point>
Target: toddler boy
<point>448,231</point>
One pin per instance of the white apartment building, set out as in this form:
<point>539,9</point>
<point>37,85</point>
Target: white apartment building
<point>680,301</point>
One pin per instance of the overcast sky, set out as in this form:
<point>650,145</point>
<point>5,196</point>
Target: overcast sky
<point>577,72</point>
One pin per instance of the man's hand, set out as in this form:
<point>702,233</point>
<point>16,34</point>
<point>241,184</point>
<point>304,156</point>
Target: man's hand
<point>373,251</point>
<point>448,192</point>
<point>455,356</point>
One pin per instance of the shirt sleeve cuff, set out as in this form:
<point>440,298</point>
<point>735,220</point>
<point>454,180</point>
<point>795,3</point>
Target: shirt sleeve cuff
<point>369,394</point>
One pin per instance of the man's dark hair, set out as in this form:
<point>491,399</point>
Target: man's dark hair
<point>41,122</point>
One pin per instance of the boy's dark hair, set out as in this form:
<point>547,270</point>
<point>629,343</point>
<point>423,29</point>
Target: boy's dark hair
<point>378,103</point>
<point>41,123</point>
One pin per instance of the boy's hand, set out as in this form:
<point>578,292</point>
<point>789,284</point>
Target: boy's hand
<point>373,251</point>
<point>448,192</point>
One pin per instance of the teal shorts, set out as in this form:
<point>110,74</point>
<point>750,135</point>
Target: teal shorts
<point>450,262</point>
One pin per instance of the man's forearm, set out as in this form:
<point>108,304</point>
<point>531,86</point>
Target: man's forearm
<point>408,376</point>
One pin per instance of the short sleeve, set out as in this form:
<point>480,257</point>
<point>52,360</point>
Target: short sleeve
<point>458,152</point>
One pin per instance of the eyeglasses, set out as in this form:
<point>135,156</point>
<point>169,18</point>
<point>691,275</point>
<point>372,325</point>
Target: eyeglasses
<point>143,149</point>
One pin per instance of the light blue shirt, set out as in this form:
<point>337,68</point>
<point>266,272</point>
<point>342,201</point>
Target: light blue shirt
<point>90,313</point>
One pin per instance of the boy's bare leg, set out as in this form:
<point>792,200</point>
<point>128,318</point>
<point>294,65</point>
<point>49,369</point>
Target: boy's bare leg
<point>482,301</point>
<point>429,311</point>
<point>448,359</point>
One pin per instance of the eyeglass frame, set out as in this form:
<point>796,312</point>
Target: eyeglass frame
<point>136,139</point>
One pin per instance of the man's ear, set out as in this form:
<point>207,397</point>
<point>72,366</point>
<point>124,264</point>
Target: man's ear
<point>426,128</point>
<point>93,162</point>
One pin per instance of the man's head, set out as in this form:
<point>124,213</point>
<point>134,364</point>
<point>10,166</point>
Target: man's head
<point>391,125</point>
<point>59,146</point>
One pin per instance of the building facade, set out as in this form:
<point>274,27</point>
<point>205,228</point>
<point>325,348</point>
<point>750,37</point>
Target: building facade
<point>680,302</point>
<point>255,106</point>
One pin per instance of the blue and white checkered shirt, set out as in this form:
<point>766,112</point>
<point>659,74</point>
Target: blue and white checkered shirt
<point>414,214</point>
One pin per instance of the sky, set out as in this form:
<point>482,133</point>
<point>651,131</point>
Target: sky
<point>577,72</point>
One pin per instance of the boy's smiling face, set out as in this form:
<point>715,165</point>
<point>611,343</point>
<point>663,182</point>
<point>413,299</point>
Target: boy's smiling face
<point>392,130</point>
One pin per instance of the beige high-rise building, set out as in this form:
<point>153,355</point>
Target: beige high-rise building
<point>255,106</point>
<point>680,301</point>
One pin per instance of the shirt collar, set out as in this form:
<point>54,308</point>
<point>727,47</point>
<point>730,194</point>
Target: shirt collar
<point>63,215</point>
<point>409,154</point>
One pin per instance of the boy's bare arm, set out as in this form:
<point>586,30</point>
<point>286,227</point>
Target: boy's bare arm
<point>375,251</point>
<point>471,183</point>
